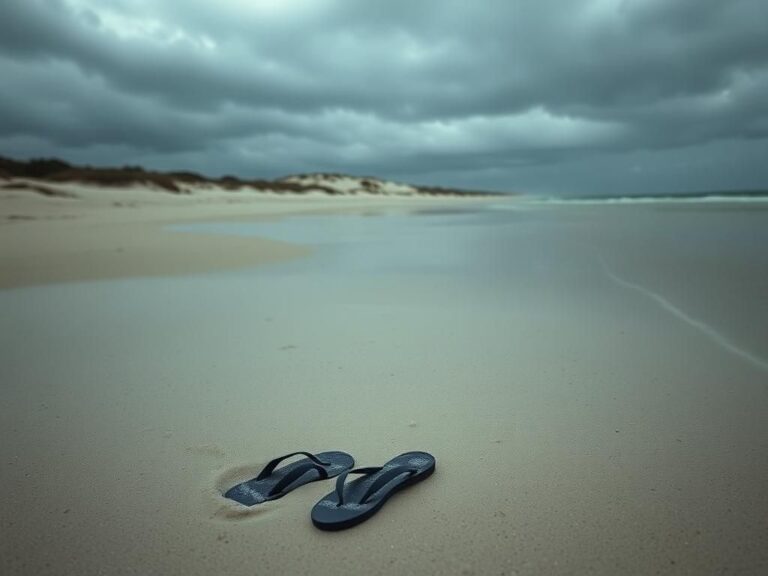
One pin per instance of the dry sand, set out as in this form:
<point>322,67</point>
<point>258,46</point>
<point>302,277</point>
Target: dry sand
<point>579,426</point>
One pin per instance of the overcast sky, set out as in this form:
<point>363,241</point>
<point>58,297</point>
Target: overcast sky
<point>547,96</point>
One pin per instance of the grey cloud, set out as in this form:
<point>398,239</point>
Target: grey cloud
<point>414,88</point>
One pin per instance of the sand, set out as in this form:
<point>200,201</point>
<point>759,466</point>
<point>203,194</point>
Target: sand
<point>579,425</point>
<point>97,233</point>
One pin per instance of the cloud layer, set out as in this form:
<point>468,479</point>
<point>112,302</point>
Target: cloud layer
<point>545,95</point>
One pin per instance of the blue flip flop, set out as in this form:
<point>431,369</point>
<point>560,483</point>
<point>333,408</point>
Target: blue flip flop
<point>272,484</point>
<point>353,503</point>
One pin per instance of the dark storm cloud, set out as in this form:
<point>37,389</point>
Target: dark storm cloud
<point>493,92</point>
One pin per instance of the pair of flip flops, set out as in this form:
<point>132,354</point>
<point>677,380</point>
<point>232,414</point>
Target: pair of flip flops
<point>351,502</point>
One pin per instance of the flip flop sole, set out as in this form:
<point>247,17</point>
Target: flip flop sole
<point>329,516</point>
<point>257,491</point>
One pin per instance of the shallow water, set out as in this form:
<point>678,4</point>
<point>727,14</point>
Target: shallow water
<point>707,264</point>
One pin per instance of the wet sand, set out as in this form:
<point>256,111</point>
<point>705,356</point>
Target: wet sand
<point>101,233</point>
<point>579,424</point>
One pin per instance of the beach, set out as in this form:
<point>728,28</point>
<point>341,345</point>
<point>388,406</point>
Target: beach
<point>87,233</point>
<point>592,380</point>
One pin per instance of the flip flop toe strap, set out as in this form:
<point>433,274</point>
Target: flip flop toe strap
<point>295,474</point>
<point>376,485</point>
<point>270,467</point>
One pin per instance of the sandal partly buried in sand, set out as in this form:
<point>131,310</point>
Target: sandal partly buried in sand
<point>272,484</point>
<point>360,499</point>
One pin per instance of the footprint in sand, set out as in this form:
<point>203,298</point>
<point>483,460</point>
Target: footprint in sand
<point>225,510</point>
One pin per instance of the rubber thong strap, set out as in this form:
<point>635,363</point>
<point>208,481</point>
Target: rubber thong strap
<point>297,473</point>
<point>269,468</point>
<point>385,479</point>
<point>377,484</point>
<point>343,477</point>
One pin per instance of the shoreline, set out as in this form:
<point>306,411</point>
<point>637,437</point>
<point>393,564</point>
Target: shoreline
<point>105,233</point>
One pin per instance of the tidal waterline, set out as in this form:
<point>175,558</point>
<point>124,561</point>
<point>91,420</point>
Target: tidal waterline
<point>704,262</point>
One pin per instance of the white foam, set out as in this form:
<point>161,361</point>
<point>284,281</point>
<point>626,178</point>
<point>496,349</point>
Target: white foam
<point>702,327</point>
<point>646,200</point>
